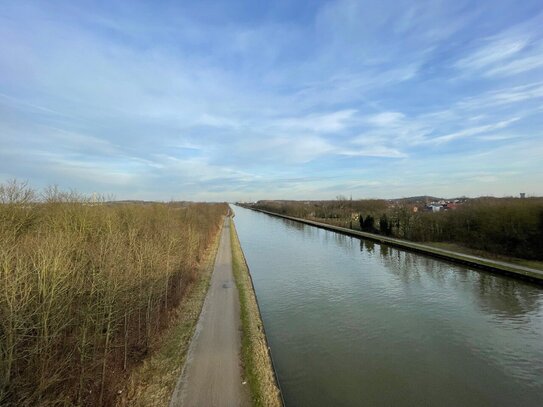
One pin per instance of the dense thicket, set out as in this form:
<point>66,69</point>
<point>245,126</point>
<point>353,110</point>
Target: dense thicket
<point>85,286</point>
<point>506,226</point>
<point>340,209</point>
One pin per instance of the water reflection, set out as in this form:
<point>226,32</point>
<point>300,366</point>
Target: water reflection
<point>354,322</point>
<point>504,297</point>
<point>367,246</point>
<point>296,225</point>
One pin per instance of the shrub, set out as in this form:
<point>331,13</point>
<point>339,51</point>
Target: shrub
<point>85,286</point>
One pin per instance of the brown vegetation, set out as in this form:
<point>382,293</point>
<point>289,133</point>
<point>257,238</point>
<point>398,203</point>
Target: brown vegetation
<point>505,226</point>
<point>152,383</point>
<point>85,286</point>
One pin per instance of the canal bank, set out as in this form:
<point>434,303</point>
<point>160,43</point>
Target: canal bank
<point>464,259</point>
<point>259,371</point>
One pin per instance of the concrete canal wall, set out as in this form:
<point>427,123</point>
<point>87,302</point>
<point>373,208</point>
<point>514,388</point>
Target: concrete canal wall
<point>465,259</point>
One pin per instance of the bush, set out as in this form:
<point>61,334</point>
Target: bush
<point>85,286</point>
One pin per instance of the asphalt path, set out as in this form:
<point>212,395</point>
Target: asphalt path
<point>212,375</point>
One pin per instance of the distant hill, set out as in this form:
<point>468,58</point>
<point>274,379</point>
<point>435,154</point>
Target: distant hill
<point>416,199</point>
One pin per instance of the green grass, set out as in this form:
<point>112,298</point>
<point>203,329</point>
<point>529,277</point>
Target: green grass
<point>258,369</point>
<point>538,265</point>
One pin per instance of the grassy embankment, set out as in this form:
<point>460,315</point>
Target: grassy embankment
<point>454,247</point>
<point>258,369</point>
<point>87,288</point>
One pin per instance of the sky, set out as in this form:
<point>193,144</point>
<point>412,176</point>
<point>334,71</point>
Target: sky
<point>248,100</point>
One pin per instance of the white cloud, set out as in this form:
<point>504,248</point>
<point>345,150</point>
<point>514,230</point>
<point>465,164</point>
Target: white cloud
<point>498,137</point>
<point>385,119</point>
<point>515,50</point>
<point>374,151</point>
<point>495,51</point>
<point>472,131</point>
<point>217,121</point>
<point>501,97</point>
<point>168,101</point>
<point>290,149</point>
<point>318,123</point>
<point>517,66</point>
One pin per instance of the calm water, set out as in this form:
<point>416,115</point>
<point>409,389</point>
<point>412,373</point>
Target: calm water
<point>353,323</point>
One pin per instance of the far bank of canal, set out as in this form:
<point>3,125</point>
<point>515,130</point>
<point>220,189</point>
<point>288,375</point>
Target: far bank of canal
<point>352,322</point>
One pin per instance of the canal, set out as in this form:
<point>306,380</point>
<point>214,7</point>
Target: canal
<point>355,323</point>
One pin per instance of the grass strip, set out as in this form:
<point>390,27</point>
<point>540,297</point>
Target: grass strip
<point>153,382</point>
<point>455,247</point>
<point>258,368</point>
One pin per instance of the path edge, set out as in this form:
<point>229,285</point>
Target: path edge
<point>265,388</point>
<point>177,390</point>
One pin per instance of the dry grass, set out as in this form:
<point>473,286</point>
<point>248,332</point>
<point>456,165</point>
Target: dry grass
<point>85,289</point>
<point>258,367</point>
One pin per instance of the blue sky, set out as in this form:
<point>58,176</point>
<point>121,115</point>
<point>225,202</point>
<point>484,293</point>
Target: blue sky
<point>250,100</point>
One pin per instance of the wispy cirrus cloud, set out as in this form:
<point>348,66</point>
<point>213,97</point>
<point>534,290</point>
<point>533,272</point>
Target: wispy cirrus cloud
<point>221,101</point>
<point>473,131</point>
<point>515,50</point>
<point>492,53</point>
<point>515,95</point>
<point>332,122</point>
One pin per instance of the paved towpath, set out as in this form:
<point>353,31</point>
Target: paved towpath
<point>212,373</point>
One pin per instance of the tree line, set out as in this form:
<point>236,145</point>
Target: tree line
<point>503,226</point>
<point>86,286</point>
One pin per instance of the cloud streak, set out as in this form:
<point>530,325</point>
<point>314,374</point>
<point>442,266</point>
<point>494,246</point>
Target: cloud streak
<point>234,102</point>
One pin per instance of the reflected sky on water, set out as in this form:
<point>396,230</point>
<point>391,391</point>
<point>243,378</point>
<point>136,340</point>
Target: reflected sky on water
<point>353,322</point>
